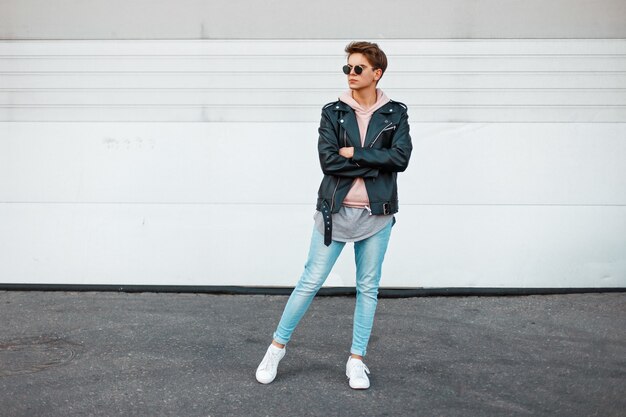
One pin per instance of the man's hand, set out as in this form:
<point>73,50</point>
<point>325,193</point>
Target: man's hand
<point>346,152</point>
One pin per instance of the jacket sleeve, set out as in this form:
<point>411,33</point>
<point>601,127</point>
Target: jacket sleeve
<point>331,162</point>
<point>394,159</point>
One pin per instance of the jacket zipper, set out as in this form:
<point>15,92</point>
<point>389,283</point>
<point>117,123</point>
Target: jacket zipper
<point>332,202</point>
<point>381,132</point>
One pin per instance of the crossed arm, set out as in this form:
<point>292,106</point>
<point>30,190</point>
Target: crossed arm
<point>333,159</point>
<point>363,162</point>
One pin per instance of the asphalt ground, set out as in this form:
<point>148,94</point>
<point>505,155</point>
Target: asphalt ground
<point>176,354</point>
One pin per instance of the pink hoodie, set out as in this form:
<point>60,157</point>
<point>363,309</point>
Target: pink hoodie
<point>357,196</point>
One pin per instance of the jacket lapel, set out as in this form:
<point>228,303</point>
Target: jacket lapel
<point>349,124</point>
<point>380,119</point>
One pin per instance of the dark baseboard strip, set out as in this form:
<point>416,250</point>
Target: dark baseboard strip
<point>334,291</point>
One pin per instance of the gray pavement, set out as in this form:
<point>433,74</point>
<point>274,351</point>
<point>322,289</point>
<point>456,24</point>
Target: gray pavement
<point>169,354</point>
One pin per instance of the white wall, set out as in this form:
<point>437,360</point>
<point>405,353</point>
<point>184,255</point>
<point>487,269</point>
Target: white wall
<point>136,147</point>
<point>148,162</point>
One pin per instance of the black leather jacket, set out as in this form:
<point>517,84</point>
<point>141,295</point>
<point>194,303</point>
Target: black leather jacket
<point>386,152</point>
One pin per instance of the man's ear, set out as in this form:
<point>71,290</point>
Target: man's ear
<point>378,74</point>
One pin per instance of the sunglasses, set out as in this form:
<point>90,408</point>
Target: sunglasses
<point>358,69</point>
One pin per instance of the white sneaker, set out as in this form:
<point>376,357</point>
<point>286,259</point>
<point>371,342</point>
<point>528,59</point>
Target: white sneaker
<point>266,372</point>
<point>356,371</point>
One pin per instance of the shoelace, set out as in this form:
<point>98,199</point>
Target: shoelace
<point>360,368</point>
<point>270,361</point>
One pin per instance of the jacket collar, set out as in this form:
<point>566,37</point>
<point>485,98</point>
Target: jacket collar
<point>343,107</point>
<point>380,119</point>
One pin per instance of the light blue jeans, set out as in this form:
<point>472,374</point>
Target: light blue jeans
<point>369,254</point>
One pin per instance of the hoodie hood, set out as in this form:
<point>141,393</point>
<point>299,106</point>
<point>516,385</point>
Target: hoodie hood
<point>381,100</point>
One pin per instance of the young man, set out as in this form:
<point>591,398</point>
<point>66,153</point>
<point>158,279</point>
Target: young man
<point>363,143</point>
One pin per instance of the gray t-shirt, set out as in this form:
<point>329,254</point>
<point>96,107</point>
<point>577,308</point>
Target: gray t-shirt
<point>353,224</point>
